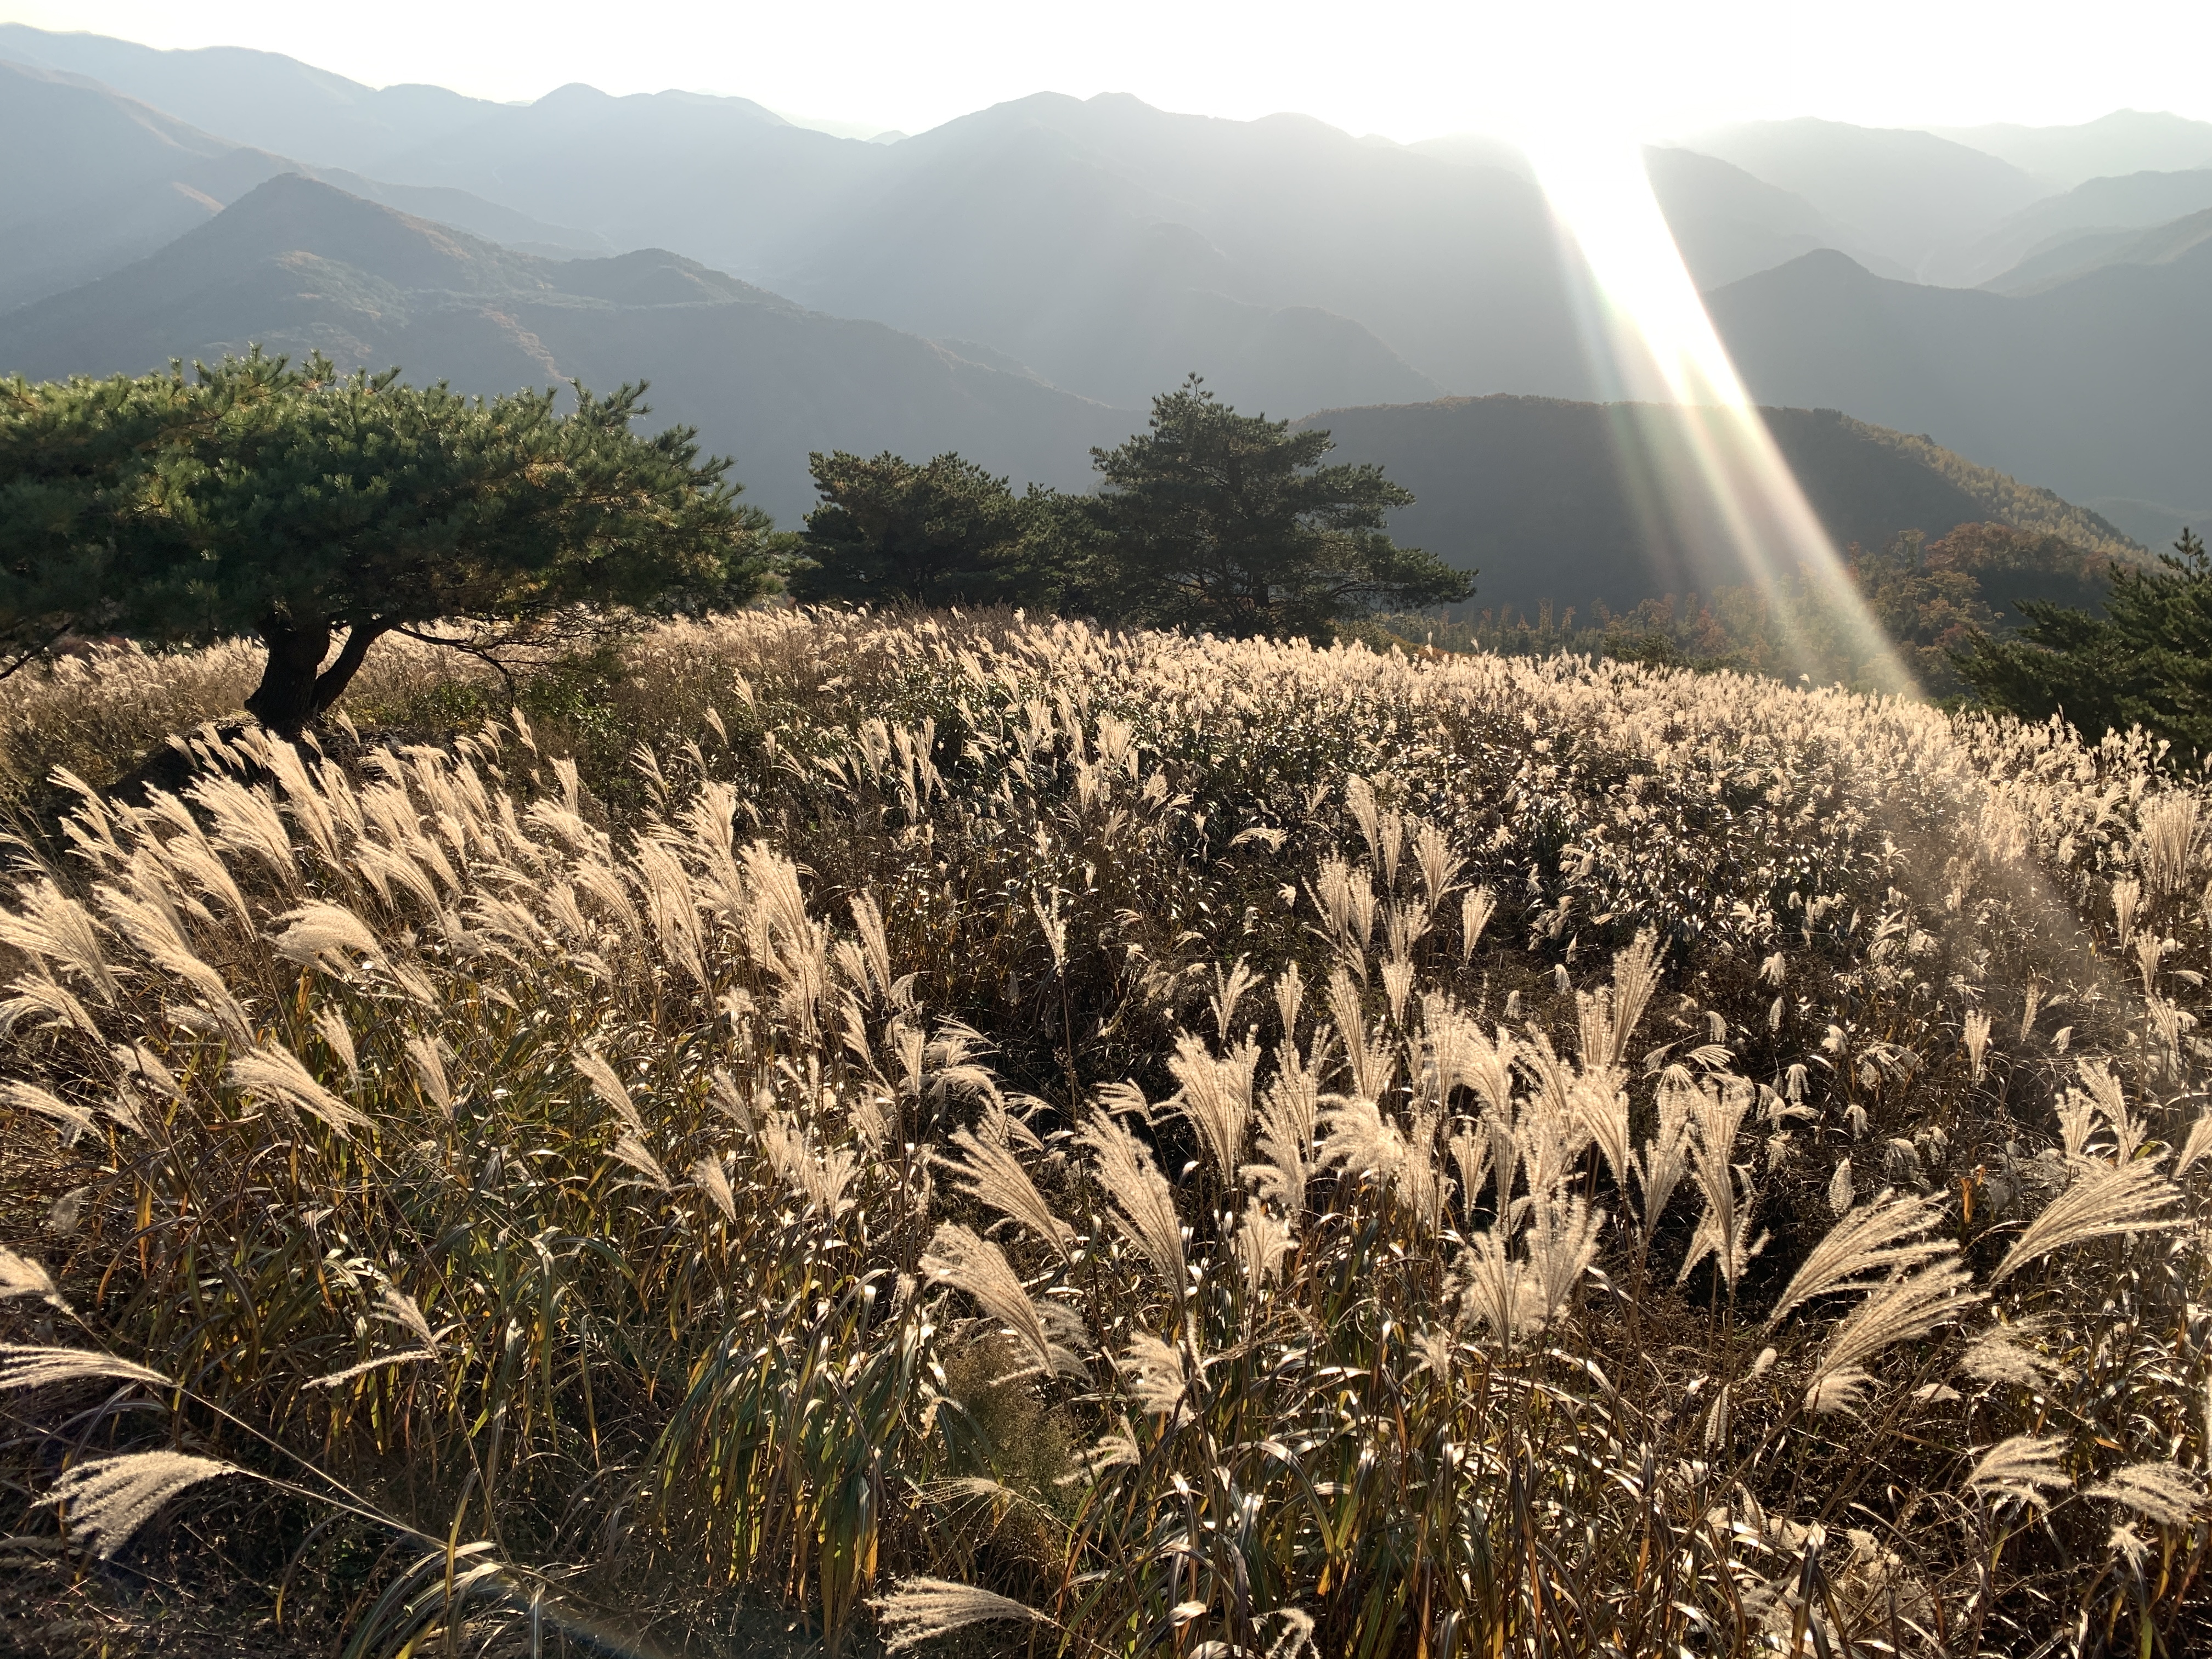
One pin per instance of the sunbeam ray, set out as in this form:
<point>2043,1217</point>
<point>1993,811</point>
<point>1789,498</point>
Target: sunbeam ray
<point>1714,489</point>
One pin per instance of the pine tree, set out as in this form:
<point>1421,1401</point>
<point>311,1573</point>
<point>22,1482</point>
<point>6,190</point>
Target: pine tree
<point>301,505</point>
<point>1229,524</point>
<point>2147,661</point>
<point>944,532</point>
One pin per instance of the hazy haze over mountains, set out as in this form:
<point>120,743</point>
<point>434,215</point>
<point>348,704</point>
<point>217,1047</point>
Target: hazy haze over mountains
<point>1029,274</point>
<point>297,265</point>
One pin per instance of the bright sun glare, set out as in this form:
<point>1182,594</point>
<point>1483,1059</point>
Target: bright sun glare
<point>1701,461</point>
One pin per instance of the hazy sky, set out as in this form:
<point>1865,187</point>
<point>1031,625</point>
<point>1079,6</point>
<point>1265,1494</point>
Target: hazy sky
<point>1399,67</point>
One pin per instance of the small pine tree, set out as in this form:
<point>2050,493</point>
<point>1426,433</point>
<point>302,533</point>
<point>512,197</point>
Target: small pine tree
<point>946,533</point>
<point>1229,524</point>
<point>301,505</point>
<point>2147,661</point>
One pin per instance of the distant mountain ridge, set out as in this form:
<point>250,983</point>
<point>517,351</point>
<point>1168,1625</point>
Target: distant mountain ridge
<point>297,265</point>
<point>1545,497</point>
<point>101,179</point>
<point>1104,248</point>
<point>2093,387</point>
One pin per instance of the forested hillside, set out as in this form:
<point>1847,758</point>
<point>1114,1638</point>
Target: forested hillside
<point>1553,500</point>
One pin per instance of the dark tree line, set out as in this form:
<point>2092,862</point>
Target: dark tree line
<point>1209,520</point>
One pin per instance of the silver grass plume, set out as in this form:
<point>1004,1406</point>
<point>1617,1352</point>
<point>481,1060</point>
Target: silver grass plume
<point>21,1276</point>
<point>1157,1380</point>
<point>1906,1308</point>
<point>2165,1494</point>
<point>323,935</point>
<point>109,1498</point>
<point>1883,1238</point>
<point>1491,1286</point>
<point>2001,1355</point>
<point>1977,1040</point>
<point>610,1088</point>
<point>397,1308</point>
<point>964,1259</point>
<point>1371,1067</point>
<point>1290,998</point>
<point>29,1097</point>
<point>276,1073</point>
<point>1842,1194</point>
<point>1289,1113</point>
<point>23,1366</point>
<point>2166,842</point>
<point>916,1610</point>
<point>1262,1243</point>
<point>707,1177</point>
<point>1724,1230</point>
<point>1140,1199</point>
<point>1216,1097</point>
<point>2196,1145</point>
<point>1562,1243</point>
<point>338,1037</point>
<point>1664,1158</point>
<point>1229,990</point>
<point>989,1172</point>
<point>426,1056</point>
<point>2019,1470</point>
<point>819,1178</point>
<point>1475,909</point>
<point>2122,1198</point>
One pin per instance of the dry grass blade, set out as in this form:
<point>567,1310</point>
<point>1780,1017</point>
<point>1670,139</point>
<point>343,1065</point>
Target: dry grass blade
<point>917,1609</point>
<point>2122,1198</point>
<point>109,1498</point>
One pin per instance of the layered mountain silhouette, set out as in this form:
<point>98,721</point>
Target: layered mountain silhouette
<point>261,100</point>
<point>1908,196</point>
<point>1039,268</point>
<point>2073,231</point>
<point>96,179</point>
<point>2094,387</point>
<point>1579,503</point>
<point>2126,141</point>
<point>297,265</point>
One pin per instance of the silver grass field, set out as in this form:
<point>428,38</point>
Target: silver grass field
<point>979,1136</point>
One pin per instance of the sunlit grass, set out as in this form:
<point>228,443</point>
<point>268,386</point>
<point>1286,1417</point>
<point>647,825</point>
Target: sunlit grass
<point>1139,1142</point>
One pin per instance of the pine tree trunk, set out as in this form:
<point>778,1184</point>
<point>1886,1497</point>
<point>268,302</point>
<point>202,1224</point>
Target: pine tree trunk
<point>284,701</point>
<point>295,688</point>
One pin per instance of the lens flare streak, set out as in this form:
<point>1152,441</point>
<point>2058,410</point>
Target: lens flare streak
<point>1694,448</point>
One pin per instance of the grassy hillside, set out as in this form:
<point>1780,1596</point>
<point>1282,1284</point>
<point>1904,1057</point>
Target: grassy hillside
<point>1548,499</point>
<point>1209,1143</point>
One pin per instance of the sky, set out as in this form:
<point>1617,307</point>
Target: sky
<point>1404,69</point>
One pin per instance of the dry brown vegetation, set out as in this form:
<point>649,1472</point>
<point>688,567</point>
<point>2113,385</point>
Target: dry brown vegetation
<point>1102,1145</point>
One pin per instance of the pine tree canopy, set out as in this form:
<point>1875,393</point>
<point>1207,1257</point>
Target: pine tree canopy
<point>1229,524</point>
<point>298,504</point>
<point>2147,661</point>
